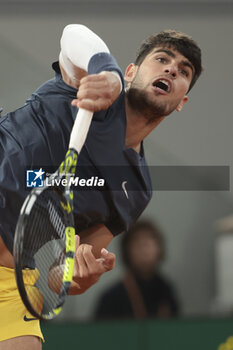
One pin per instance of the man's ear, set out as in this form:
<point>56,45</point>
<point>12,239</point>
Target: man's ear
<point>182,103</point>
<point>130,72</point>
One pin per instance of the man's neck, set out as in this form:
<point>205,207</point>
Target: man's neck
<point>137,127</point>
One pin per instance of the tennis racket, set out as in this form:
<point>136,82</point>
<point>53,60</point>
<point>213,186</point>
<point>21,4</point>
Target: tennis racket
<point>44,242</point>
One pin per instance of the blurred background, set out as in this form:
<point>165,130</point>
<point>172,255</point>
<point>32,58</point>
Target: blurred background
<point>198,246</point>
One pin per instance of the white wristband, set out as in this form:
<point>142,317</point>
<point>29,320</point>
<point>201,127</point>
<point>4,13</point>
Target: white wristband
<point>78,45</point>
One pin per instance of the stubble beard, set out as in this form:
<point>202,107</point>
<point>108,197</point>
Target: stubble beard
<point>151,110</point>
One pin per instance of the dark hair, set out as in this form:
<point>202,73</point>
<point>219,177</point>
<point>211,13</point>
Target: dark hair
<point>148,228</point>
<point>179,41</point>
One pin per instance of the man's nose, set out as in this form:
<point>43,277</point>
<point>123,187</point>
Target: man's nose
<point>172,70</point>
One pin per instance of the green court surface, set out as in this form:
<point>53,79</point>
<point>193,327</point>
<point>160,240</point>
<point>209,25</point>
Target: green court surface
<point>197,334</point>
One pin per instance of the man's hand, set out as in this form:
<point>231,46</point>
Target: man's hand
<point>98,91</point>
<point>88,269</point>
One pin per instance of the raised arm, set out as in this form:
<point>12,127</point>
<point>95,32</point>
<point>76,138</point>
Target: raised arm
<point>96,91</point>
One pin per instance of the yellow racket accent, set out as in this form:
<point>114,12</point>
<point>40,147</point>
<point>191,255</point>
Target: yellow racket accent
<point>70,248</point>
<point>70,239</point>
<point>69,164</point>
<point>68,270</point>
<point>67,207</point>
<point>57,311</point>
<point>69,264</point>
<point>53,313</point>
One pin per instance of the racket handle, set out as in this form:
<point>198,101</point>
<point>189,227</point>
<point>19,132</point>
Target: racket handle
<point>80,129</point>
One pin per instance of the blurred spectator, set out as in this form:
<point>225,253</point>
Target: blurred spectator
<point>143,292</point>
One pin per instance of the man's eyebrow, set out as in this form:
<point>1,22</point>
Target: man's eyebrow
<point>171,54</point>
<point>168,52</point>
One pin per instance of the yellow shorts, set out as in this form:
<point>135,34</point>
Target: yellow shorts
<point>15,320</point>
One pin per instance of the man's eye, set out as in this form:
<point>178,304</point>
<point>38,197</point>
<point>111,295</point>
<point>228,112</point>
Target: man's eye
<point>161,59</point>
<point>184,72</point>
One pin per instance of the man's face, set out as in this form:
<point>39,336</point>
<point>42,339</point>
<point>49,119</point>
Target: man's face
<point>160,83</point>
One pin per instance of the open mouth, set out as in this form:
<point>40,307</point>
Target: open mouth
<point>163,85</point>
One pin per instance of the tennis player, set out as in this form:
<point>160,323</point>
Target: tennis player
<point>166,68</point>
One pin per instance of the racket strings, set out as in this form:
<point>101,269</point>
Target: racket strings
<point>44,273</point>
<point>56,220</point>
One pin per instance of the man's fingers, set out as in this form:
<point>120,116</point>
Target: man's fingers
<point>94,85</point>
<point>89,258</point>
<point>97,92</point>
<point>77,242</point>
<point>94,94</point>
<point>82,266</point>
<point>94,106</point>
<point>75,102</point>
<point>86,261</point>
<point>88,269</point>
<point>93,78</point>
<point>76,267</point>
<point>108,259</point>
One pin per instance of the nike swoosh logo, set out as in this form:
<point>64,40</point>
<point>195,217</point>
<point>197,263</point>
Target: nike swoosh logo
<point>124,189</point>
<point>29,319</point>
